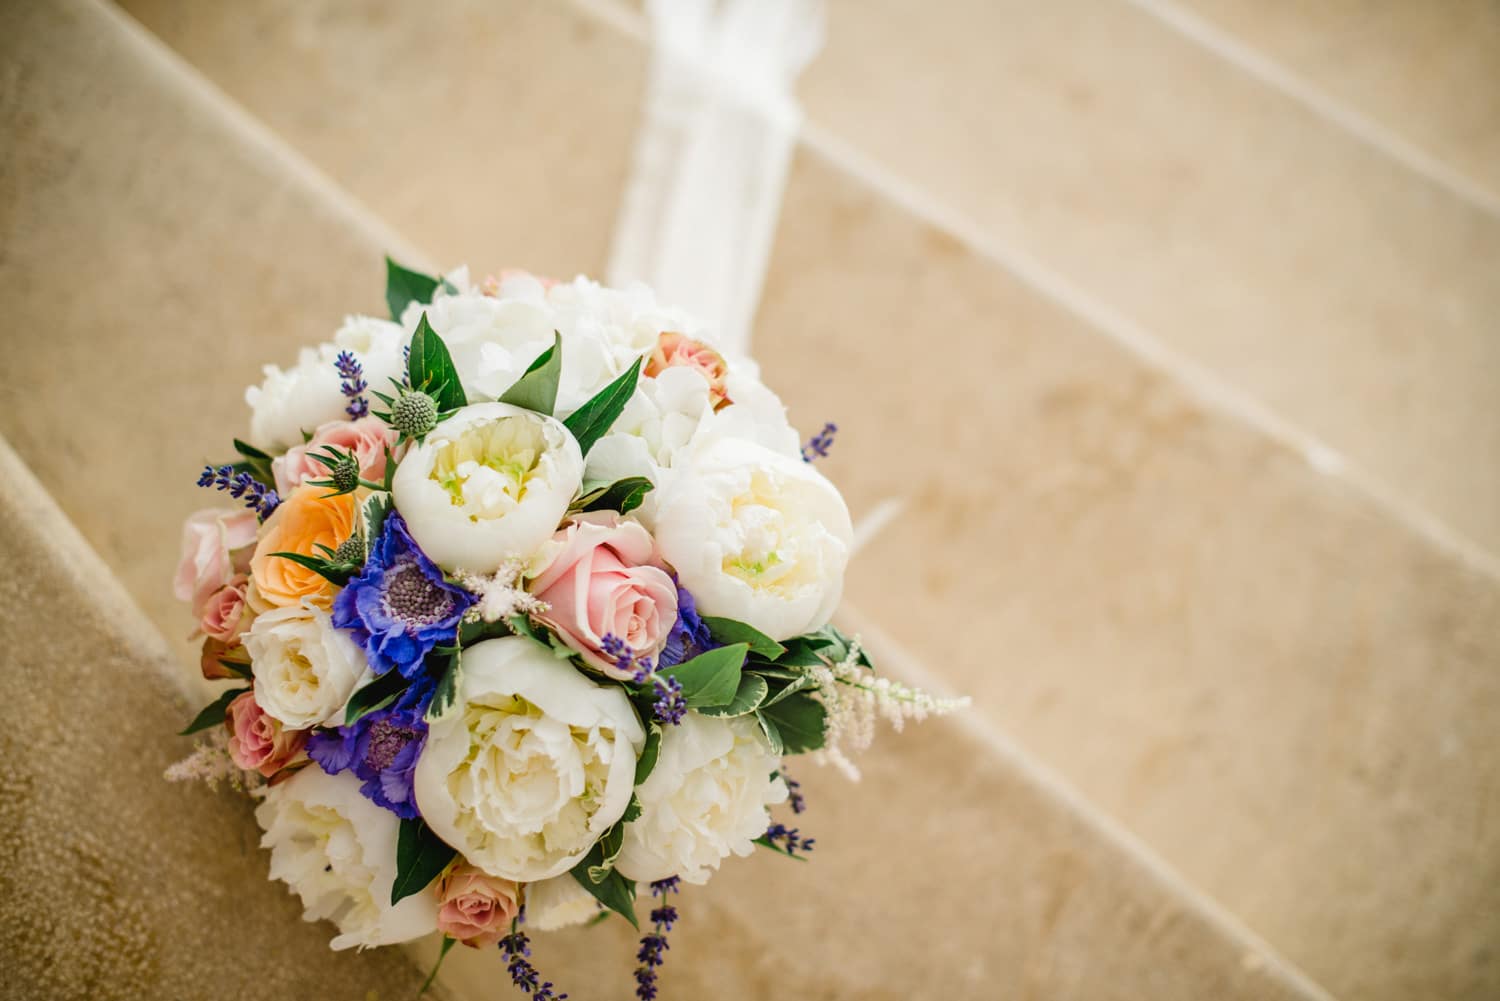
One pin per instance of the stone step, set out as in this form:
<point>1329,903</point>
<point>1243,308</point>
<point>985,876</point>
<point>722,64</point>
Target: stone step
<point>116,886</point>
<point>226,250</point>
<point>1265,674</point>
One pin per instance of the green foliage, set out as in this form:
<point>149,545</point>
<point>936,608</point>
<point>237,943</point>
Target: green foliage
<point>431,369</point>
<point>213,713</point>
<point>729,631</point>
<point>646,762</point>
<point>442,955</point>
<point>712,678</point>
<point>335,571</point>
<point>799,722</point>
<point>537,389</point>
<point>592,421</point>
<point>376,695</point>
<point>420,856</point>
<point>751,693</point>
<point>610,889</point>
<point>445,696</point>
<point>623,496</point>
<point>255,462</point>
<point>404,286</point>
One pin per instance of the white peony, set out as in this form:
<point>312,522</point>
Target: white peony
<point>673,411</point>
<point>305,669</point>
<point>705,800</point>
<point>559,902</point>
<point>337,851</point>
<point>490,484</point>
<point>291,401</point>
<point>532,767</point>
<point>755,535</point>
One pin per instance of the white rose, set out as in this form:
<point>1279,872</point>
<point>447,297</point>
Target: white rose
<point>490,484</point>
<point>755,535</point>
<point>337,851</point>
<point>705,800</point>
<point>559,902</point>
<point>532,767</point>
<point>290,401</point>
<point>305,669</point>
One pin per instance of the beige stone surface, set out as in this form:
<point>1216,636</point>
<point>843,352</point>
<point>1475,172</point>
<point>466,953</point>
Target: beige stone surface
<point>1429,72</point>
<point>1350,296</point>
<point>115,886</point>
<point>1288,695</point>
<point>222,252</point>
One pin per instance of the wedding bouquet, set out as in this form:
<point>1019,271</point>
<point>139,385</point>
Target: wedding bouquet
<point>527,600</point>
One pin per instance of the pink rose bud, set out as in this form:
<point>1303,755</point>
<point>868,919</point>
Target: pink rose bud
<point>215,652</point>
<point>605,581</point>
<point>257,742</point>
<point>215,547</point>
<point>673,350</point>
<point>226,614</point>
<point>367,438</point>
<point>474,907</point>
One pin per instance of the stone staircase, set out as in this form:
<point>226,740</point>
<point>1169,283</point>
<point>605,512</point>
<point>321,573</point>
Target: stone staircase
<point>1252,697</point>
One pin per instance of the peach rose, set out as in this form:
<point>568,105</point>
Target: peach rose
<point>304,520</point>
<point>602,582</point>
<point>474,907</point>
<point>257,742</point>
<point>226,614</point>
<point>367,438</point>
<point>212,541</point>
<point>678,350</point>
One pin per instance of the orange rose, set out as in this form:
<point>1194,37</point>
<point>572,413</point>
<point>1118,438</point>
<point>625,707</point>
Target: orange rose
<point>303,521</point>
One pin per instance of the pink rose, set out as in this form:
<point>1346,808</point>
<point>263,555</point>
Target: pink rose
<point>603,582</point>
<point>226,613</point>
<point>367,437</point>
<point>215,547</point>
<point>257,742</point>
<point>678,350</point>
<point>474,907</point>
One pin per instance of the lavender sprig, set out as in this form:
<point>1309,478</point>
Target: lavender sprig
<point>670,706</point>
<point>353,385</point>
<point>241,486</point>
<point>651,954</point>
<point>787,839</point>
<point>517,949</point>
<point>818,445</point>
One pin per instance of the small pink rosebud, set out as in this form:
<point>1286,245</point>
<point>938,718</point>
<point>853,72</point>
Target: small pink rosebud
<point>258,742</point>
<point>474,907</point>
<point>679,350</point>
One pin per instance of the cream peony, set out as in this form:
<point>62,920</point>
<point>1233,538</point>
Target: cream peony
<point>559,902</point>
<point>337,851</point>
<point>755,535</point>
<point>534,765</point>
<point>307,396</point>
<point>490,484</point>
<point>706,799</point>
<point>305,669</point>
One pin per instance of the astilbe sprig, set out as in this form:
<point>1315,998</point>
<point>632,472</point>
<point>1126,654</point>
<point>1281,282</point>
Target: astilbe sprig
<point>517,950</point>
<point>241,486</point>
<point>652,953</point>
<point>670,706</point>
<point>500,594</point>
<point>855,698</point>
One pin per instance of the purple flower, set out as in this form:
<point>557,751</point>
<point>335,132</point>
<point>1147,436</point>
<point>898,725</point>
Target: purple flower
<point>689,636</point>
<point>382,749</point>
<point>400,607</point>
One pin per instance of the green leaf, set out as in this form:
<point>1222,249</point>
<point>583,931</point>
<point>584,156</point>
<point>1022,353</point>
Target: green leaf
<point>404,286</point>
<point>773,735</point>
<point>592,421</point>
<point>420,856</point>
<point>602,856</point>
<point>633,810</point>
<point>338,573</point>
<point>250,451</point>
<point>255,462</point>
<point>791,688</point>
<point>376,695</point>
<point>237,666</point>
<point>799,653</point>
<point>431,369</point>
<point>213,713</point>
<point>623,496</point>
<point>614,891</point>
<point>447,944</point>
<point>729,631</point>
<point>376,509</point>
<point>712,678</point>
<point>799,720</point>
<point>537,389</point>
<point>752,692</point>
<point>774,671</point>
<point>766,842</point>
<point>445,696</point>
<point>646,763</point>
